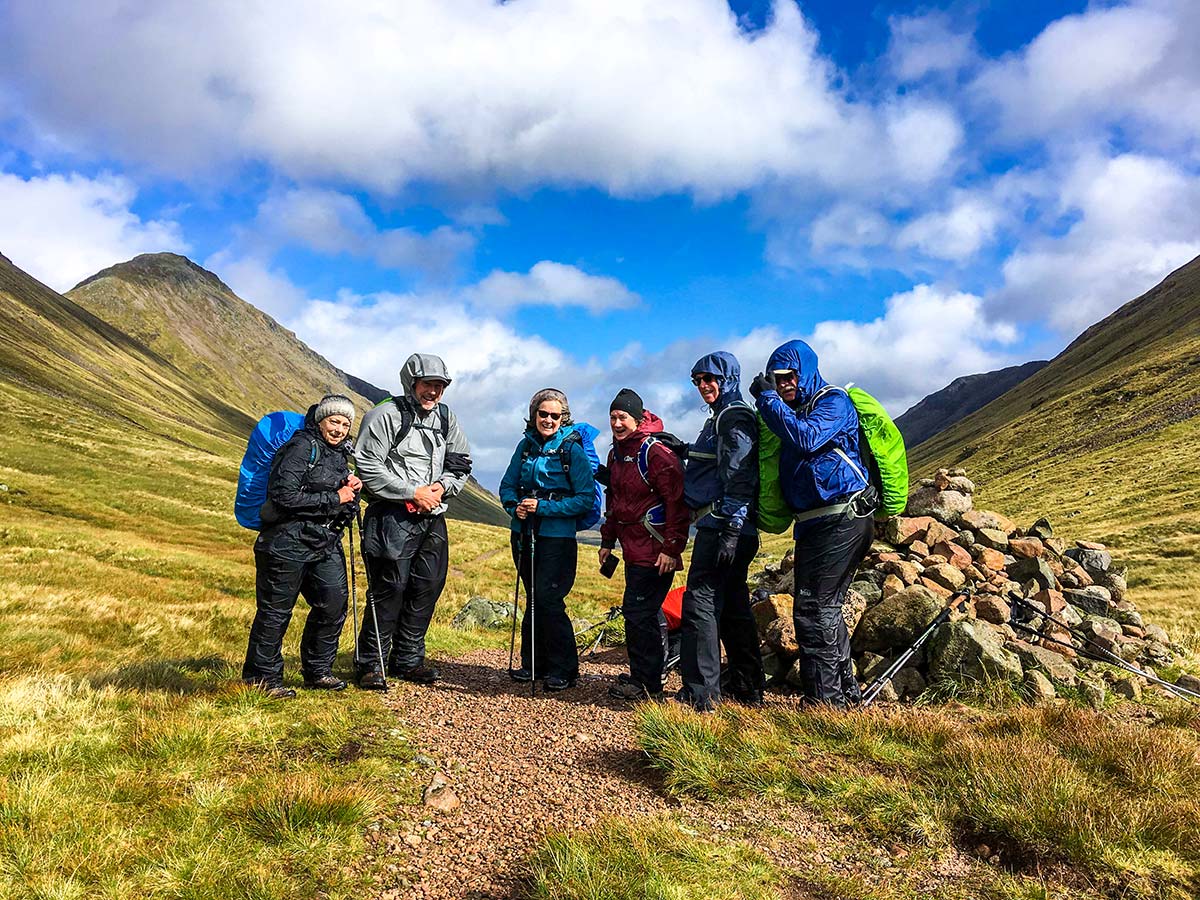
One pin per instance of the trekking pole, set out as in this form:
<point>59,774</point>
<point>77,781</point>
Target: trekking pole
<point>353,589</point>
<point>877,686</point>
<point>530,606</point>
<point>371,607</point>
<point>512,641</point>
<point>1100,654</point>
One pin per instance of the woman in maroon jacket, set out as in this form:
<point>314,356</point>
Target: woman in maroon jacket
<point>646,513</point>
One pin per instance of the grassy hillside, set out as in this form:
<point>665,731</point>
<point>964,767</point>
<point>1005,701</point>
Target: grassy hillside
<point>1103,440</point>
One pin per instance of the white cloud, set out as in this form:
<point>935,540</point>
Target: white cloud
<point>955,233</point>
<point>849,225</point>
<point>630,96</point>
<point>551,284</point>
<point>927,44</point>
<point>1133,66</point>
<point>64,228</point>
<point>1136,218</point>
<point>925,339</point>
<point>331,222</point>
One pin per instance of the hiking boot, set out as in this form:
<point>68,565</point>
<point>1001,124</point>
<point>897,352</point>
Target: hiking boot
<point>554,684</point>
<point>372,681</point>
<point>633,692</point>
<point>521,674</point>
<point>327,682</point>
<point>277,692</point>
<point>421,674</point>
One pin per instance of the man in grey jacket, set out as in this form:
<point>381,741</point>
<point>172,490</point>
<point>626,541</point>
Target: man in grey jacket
<point>412,457</point>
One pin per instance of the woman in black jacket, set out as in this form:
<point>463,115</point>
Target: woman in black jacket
<point>311,497</point>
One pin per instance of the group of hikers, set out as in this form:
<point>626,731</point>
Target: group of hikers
<point>411,457</point>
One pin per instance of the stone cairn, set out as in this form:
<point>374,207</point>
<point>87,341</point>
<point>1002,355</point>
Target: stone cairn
<point>944,545</point>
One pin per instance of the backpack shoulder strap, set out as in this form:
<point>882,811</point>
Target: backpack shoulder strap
<point>444,415</point>
<point>407,417</point>
<point>643,457</point>
<point>564,451</point>
<point>736,404</point>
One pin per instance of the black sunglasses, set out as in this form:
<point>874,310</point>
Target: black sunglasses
<point>704,377</point>
<point>544,414</point>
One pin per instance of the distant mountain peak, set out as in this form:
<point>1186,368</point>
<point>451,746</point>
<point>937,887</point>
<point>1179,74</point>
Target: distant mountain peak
<point>161,267</point>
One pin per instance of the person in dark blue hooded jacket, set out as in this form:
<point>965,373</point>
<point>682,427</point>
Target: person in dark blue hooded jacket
<point>720,486</point>
<point>824,480</point>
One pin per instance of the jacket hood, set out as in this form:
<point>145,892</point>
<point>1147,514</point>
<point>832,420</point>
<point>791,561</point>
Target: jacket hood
<point>800,358</point>
<point>422,365</point>
<point>729,374</point>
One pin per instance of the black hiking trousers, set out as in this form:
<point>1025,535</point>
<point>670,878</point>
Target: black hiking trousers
<point>553,569</point>
<point>407,561</point>
<point>828,551</point>
<point>646,624</point>
<point>278,582</point>
<point>716,610</point>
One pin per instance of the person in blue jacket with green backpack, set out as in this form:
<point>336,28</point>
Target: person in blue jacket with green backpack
<point>826,482</point>
<point>548,489</point>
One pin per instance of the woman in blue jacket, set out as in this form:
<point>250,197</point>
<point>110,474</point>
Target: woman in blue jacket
<point>547,487</point>
<point>824,480</point>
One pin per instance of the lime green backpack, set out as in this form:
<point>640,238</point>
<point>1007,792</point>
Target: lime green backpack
<point>879,441</point>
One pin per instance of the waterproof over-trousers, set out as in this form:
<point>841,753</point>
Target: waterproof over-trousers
<point>716,610</point>
<point>278,581</point>
<point>828,551</point>
<point>553,561</point>
<point>406,583</point>
<point>646,625</point>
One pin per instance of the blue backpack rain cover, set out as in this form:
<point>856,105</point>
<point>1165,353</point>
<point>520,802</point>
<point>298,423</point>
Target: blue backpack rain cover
<point>587,436</point>
<point>272,432</point>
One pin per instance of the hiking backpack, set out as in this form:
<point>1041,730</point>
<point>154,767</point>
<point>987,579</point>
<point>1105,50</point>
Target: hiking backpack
<point>879,442</point>
<point>585,435</point>
<point>272,432</point>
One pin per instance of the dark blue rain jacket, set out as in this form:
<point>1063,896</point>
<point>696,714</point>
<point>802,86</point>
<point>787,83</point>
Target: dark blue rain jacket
<point>812,472</point>
<point>722,466</point>
<point>536,470</point>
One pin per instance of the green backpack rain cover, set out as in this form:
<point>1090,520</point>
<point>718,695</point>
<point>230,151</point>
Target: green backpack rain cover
<point>774,515</point>
<point>887,462</point>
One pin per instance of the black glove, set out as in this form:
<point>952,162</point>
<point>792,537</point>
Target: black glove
<point>761,383</point>
<point>727,545</point>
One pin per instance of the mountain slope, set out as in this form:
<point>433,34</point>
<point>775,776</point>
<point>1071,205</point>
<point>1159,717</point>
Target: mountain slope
<point>189,318</point>
<point>1106,435</point>
<point>76,374</point>
<point>960,398</point>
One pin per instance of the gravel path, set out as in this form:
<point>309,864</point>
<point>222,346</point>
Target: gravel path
<point>519,766</point>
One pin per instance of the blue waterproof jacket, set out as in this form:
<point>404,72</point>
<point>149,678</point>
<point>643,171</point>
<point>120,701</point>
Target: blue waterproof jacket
<point>812,472</point>
<point>722,466</point>
<point>536,470</point>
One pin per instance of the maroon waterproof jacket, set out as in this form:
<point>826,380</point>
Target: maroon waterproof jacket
<point>629,496</point>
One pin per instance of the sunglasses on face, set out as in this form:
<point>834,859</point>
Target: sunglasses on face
<point>785,376</point>
<point>546,414</point>
<point>704,378</point>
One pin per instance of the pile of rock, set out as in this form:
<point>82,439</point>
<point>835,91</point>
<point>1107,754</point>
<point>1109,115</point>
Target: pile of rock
<point>944,545</point>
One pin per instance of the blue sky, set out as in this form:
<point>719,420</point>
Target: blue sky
<point>594,195</point>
